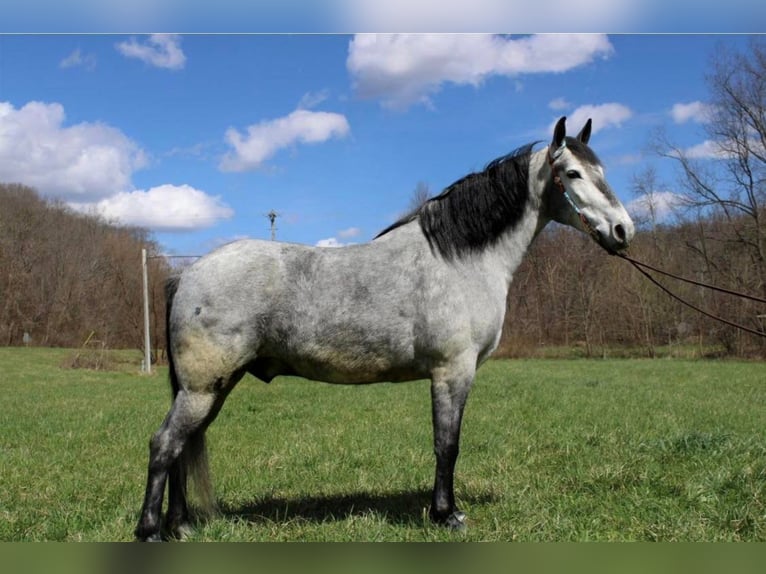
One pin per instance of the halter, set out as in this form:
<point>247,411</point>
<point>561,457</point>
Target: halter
<point>560,184</point>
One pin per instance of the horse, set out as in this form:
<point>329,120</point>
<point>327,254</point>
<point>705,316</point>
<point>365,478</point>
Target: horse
<point>425,299</point>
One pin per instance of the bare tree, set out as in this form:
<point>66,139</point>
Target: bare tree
<point>726,186</point>
<point>732,185</point>
<point>420,195</point>
<point>65,275</point>
<point>646,188</point>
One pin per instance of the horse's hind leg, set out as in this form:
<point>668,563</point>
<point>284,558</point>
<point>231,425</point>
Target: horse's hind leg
<point>178,518</point>
<point>190,414</point>
<point>178,510</point>
<point>192,463</point>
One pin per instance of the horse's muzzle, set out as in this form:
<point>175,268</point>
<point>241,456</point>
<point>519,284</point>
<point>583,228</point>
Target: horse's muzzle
<point>618,238</point>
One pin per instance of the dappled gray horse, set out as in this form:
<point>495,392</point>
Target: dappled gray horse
<point>425,299</point>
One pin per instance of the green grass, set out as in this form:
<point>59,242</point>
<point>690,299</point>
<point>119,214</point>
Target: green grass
<point>551,450</point>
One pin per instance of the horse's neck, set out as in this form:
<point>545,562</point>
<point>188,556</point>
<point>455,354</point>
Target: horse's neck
<point>506,254</point>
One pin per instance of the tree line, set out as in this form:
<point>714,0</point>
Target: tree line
<point>569,292</point>
<point>68,277</point>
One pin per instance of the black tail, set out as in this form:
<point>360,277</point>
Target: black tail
<point>193,459</point>
<point>171,286</point>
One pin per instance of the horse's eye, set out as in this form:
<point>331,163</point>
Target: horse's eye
<point>572,174</point>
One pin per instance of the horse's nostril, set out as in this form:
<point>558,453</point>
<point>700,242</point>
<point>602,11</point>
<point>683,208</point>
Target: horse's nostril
<point>619,233</point>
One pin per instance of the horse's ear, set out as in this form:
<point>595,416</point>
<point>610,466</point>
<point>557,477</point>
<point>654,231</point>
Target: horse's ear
<point>559,133</point>
<point>584,134</point>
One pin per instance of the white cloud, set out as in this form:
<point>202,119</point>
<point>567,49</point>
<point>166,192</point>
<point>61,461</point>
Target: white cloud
<point>402,69</point>
<point>329,242</point>
<point>313,99</point>
<point>693,111</point>
<point>603,116</point>
<point>559,104</point>
<point>722,149</point>
<point>467,16</point>
<point>198,150</point>
<point>708,149</point>
<point>350,232</point>
<point>663,203</point>
<point>163,208</point>
<point>82,162</point>
<point>79,59</point>
<point>160,50</point>
<point>90,166</point>
<point>630,159</point>
<point>261,141</point>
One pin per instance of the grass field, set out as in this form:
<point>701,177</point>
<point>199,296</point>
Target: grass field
<point>551,450</point>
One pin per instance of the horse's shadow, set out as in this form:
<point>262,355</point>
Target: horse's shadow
<point>401,507</point>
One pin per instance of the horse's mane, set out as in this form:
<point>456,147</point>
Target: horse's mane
<point>475,211</point>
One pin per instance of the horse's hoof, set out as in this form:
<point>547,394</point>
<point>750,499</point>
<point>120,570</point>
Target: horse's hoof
<point>149,538</point>
<point>180,531</point>
<point>456,521</point>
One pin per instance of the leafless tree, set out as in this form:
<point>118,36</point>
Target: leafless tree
<point>732,185</point>
<point>420,195</point>
<point>64,275</point>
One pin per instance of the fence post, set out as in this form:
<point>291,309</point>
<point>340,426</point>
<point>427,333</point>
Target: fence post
<point>147,344</point>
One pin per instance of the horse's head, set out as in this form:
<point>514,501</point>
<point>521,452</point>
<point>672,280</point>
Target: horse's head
<point>579,195</point>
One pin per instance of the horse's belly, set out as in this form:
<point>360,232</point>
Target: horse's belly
<point>345,363</point>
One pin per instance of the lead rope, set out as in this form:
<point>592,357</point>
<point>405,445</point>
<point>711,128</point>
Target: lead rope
<point>646,274</point>
<point>640,266</point>
<point>692,281</point>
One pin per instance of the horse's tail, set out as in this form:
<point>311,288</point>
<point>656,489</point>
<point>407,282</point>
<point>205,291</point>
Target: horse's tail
<point>193,460</point>
<point>194,464</point>
<point>171,286</point>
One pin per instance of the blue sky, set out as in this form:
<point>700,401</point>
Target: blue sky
<point>198,136</point>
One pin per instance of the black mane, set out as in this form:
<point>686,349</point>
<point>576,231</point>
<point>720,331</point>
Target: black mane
<point>472,213</point>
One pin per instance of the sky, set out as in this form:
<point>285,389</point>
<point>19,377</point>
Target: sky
<point>198,136</point>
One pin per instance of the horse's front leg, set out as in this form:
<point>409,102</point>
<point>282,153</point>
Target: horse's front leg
<point>449,390</point>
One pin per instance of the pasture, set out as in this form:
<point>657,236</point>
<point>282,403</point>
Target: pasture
<point>552,450</point>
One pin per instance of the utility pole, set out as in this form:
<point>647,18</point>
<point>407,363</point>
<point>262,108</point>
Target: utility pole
<point>272,215</point>
<point>147,344</point>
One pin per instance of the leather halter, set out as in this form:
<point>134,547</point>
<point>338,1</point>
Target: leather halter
<point>560,184</point>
